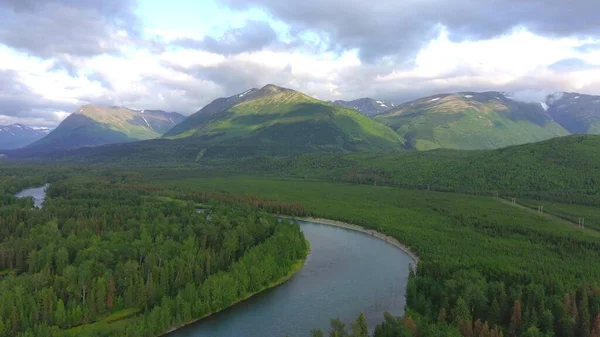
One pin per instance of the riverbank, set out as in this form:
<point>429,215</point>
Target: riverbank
<point>295,269</point>
<point>387,238</point>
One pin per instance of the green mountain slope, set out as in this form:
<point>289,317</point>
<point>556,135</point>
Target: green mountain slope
<point>97,125</point>
<point>282,121</point>
<point>470,121</point>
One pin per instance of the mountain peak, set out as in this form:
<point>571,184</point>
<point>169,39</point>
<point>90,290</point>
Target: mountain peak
<point>93,125</point>
<point>273,88</point>
<point>578,113</point>
<point>17,135</point>
<point>470,120</point>
<point>20,126</point>
<point>92,111</point>
<point>278,120</point>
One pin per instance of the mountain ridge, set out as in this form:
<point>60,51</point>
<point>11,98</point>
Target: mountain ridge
<point>366,105</point>
<point>578,113</point>
<point>470,120</point>
<point>286,120</point>
<point>17,135</point>
<point>93,125</point>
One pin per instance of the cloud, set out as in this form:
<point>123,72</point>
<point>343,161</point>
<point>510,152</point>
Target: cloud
<point>253,36</point>
<point>59,54</point>
<point>390,28</point>
<point>18,103</point>
<point>71,27</point>
<point>572,64</point>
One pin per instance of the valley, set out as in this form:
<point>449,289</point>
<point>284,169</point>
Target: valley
<point>119,248</point>
<point>299,168</point>
<point>434,225</point>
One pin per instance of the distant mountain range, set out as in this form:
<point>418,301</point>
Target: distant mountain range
<point>367,106</point>
<point>94,125</point>
<point>575,112</point>
<point>279,121</point>
<point>470,120</point>
<point>15,136</point>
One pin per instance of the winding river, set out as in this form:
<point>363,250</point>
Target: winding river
<point>347,273</point>
<point>38,194</point>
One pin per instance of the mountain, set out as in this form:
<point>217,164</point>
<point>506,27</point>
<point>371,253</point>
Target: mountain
<point>367,106</point>
<point>470,120</point>
<point>277,120</point>
<point>94,125</point>
<point>15,136</point>
<point>575,112</point>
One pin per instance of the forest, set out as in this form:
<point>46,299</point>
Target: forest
<point>102,258</point>
<point>487,268</point>
<point>124,252</point>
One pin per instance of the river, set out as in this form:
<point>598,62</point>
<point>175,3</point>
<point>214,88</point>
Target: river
<point>347,273</point>
<point>38,194</point>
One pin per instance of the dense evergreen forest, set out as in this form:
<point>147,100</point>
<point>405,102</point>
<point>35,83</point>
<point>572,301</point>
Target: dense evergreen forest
<point>487,268</point>
<point>563,169</point>
<point>105,258</point>
<point>123,252</point>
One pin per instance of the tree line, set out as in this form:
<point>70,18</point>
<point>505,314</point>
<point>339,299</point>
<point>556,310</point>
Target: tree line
<point>104,259</point>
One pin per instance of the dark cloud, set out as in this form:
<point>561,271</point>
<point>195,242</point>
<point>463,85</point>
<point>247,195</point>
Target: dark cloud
<point>255,35</point>
<point>236,76</point>
<point>387,28</point>
<point>72,27</point>
<point>19,102</point>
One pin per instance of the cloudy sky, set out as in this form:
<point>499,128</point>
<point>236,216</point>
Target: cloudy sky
<point>179,55</point>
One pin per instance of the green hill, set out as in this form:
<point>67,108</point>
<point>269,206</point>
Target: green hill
<point>563,169</point>
<point>276,120</point>
<point>470,121</point>
<point>97,125</point>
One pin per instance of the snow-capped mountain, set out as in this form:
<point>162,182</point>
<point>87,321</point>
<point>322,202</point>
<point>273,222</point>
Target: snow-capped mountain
<point>15,136</point>
<point>578,113</point>
<point>367,106</point>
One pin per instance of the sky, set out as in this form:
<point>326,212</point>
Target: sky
<point>179,55</point>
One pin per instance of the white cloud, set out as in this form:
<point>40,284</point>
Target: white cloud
<point>500,64</point>
<point>184,80</point>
